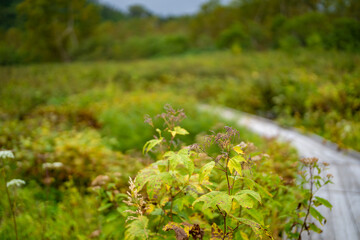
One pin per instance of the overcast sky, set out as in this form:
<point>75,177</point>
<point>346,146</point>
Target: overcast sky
<point>162,7</point>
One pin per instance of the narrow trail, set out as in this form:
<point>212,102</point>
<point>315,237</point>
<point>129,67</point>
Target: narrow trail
<point>343,221</point>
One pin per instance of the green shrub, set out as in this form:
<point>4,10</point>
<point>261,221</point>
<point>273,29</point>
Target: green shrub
<point>345,34</point>
<point>233,35</point>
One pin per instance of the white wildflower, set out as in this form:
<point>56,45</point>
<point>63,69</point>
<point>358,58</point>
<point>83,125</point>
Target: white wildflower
<point>135,199</point>
<point>15,182</point>
<point>52,165</point>
<point>6,154</point>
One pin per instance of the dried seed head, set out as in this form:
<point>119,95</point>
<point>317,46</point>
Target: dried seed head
<point>172,116</point>
<point>148,120</point>
<point>309,161</point>
<point>326,164</point>
<point>223,139</point>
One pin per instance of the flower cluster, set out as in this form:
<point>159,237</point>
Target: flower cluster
<point>172,116</point>
<point>309,161</point>
<point>6,154</point>
<point>223,140</point>
<point>53,165</point>
<point>15,182</point>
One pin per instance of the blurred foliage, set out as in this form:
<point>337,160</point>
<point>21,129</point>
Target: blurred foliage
<point>89,116</point>
<point>94,127</point>
<point>317,91</point>
<point>63,30</point>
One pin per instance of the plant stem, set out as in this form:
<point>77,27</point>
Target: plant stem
<point>11,206</point>
<point>45,203</point>
<point>171,207</point>
<point>232,186</point>
<point>310,200</point>
<point>227,175</point>
<point>229,188</point>
<point>225,215</point>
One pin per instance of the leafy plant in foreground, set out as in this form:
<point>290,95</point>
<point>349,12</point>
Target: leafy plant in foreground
<point>312,178</point>
<point>12,183</point>
<point>217,189</point>
<point>197,189</point>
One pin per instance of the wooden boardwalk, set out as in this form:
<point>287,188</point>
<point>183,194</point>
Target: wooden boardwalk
<point>343,222</point>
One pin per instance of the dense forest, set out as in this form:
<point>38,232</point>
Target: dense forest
<point>42,31</point>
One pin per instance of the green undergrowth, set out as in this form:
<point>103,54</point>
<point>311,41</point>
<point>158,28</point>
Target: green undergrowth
<point>93,133</point>
<point>89,119</point>
<point>315,91</point>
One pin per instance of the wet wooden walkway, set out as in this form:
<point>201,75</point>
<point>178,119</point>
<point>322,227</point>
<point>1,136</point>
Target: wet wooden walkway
<point>343,221</point>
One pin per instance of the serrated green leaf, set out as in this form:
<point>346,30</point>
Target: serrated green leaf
<point>217,233</point>
<point>251,183</point>
<point>104,207</point>
<point>181,157</point>
<point>110,196</point>
<point>256,227</point>
<point>137,229</point>
<point>244,200</point>
<point>215,199</point>
<point>162,165</point>
<point>317,215</point>
<point>145,174</point>
<point>315,228</point>
<point>112,217</point>
<point>256,215</point>
<point>156,182</point>
<point>324,202</point>
<point>151,144</point>
<point>235,163</point>
<point>157,212</point>
<point>174,159</point>
<point>205,171</point>
<point>253,194</point>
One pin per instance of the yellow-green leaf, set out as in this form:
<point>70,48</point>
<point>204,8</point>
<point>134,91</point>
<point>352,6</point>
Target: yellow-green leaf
<point>252,194</point>
<point>150,144</point>
<point>180,233</point>
<point>178,130</point>
<point>256,227</point>
<point>235,163</point>
<point>324,202</point>
<point>244,200</point>
<point>217,233</point>
<point>181,157</point>
<point>216,199</point>
<point>238,150</point>
<point>137,229</point>
<point>244,236</point>
<point>205,171</point>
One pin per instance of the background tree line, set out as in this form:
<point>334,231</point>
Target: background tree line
<point>64,30</point>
